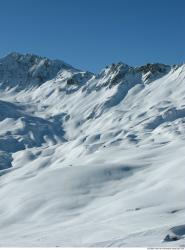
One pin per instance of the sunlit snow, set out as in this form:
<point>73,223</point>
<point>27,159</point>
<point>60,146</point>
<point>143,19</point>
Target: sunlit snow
<point>91,160</point>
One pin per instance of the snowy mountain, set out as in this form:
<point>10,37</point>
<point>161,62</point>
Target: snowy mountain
<point>91,160</point>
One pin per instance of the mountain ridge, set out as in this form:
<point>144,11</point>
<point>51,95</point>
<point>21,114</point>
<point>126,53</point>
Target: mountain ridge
<point>30,56</point>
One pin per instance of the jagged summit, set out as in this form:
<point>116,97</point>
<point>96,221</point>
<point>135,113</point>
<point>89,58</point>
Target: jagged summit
<point>152,71</point>
<point>153,68</point>
<point>27,70</point>
<point>120,73</point>
<point>13,56</point>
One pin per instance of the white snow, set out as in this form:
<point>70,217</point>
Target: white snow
<point>91,160</point>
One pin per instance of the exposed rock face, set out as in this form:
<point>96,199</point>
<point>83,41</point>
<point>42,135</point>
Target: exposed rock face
<point>154,68</point>
<point>175,233</point>
<point>153,71</point>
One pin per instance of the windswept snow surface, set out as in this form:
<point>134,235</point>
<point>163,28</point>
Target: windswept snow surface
<point>91,160</point>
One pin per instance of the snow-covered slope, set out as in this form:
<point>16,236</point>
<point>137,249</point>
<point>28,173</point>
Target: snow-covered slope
<point>91,160</point>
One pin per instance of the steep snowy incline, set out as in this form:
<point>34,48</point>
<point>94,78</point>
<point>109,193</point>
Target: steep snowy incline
<point>91,160</point>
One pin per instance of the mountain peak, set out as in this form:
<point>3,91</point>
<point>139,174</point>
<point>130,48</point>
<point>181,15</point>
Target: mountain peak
<point>31,57</point>
<point>25,70</point>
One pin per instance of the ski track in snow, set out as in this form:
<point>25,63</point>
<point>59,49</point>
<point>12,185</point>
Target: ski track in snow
<point>91,160</point>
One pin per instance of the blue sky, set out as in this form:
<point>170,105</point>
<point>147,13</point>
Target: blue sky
<point>90,34</point>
